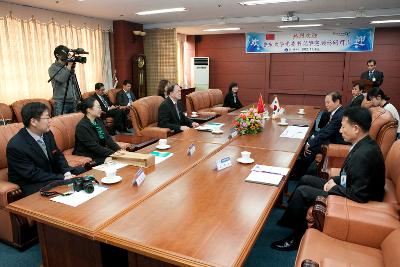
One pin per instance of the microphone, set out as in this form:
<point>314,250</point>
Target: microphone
<point>78,51</point>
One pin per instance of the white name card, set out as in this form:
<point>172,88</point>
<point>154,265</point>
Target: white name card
<point>139,177</point>
<point>233,134</point>
<point>191,150</point>
<point>223,163</point>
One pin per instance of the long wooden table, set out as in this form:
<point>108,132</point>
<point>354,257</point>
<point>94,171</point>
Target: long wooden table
<point>186,183</point>
<point>205,218</point>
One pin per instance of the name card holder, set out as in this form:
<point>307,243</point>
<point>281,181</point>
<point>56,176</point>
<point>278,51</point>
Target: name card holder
<point>223,163</point>
<point>191,150</point>
<point>233,134</point>
<point>139,177</point>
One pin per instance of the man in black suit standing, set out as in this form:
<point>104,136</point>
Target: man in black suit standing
<point>125,97</point>
<point>119,115</point>
<point>326,135</point>
<point>32,154</point>
<point>170,112</point>
<point>373,74</point>
<point>362,177</point>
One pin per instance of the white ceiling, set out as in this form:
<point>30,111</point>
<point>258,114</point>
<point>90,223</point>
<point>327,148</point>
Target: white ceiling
<point>203,14</point>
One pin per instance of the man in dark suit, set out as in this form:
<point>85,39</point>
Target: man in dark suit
<point>119,115</point>
<point>170,112</point>
<point>373,74</point>
<point>125,97</point>
<point>357,92</point>
<point>326,135</point>
<point>362,177</point>
<point>32,154</point>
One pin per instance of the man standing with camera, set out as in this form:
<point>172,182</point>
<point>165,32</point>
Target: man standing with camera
<point>64,88</point>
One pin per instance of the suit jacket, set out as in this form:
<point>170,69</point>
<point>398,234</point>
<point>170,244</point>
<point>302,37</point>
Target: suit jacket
<point>168,117</point>
<point>356,101</point>
<point>365,171</point>
<point>122,99</point>
<point>88,143</point>
<point>229,101</point>
<point>105,97</point>
<point>378,75</point>
<point>329,133</point>
<point>28,165</point>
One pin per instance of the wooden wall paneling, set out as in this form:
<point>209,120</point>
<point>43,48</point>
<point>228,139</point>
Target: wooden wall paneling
<point>346,83</point>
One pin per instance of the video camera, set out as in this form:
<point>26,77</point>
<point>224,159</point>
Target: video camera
<point>74,57</point>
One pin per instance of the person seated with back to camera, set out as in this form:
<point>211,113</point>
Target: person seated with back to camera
<point>91,137</point>
<point>162,88</point>
<point>120,117</point>
<point>33,157</point>
<point>170,112</point>
<point>361,179</point>
<point>231,99</point>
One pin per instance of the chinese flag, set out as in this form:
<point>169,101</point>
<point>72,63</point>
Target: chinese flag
<point>270,36</point>
<point>260,105</point>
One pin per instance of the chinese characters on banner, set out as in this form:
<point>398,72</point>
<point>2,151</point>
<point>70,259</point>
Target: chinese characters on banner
<point>338,40</point>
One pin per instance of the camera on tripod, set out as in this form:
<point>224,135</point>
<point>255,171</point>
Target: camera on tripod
<point>75,56</point>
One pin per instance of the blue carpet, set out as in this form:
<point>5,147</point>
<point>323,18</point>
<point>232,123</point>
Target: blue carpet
<point>261,255</point>
<point>11,257</point>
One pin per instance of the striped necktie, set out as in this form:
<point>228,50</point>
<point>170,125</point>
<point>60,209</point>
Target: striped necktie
<point>43,146</point>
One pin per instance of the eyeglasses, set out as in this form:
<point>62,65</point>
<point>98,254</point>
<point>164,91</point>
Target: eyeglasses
<point>45,118</point>
<point>370,65</point>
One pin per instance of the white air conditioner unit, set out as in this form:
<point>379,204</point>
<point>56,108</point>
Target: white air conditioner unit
<point>200,70</point>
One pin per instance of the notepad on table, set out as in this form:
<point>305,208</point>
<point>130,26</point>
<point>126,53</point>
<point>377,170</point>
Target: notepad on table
<point>264,178</point>
<point>161,156</point>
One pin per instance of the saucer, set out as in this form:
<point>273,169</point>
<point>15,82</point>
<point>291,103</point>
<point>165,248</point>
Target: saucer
<point>217,132</point>
<point>245,161</point>
<point>283,124</point>
<point>111,180</point>
<point>301,113</point>
<point>163,147</point>
<point>194,116</point>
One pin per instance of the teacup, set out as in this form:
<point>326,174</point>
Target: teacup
<point>301,110</point>
<point>162,142</point>
<point>246,155</point>
<point>194,113</point>
<point>283,120</point>
<point>110,173</point>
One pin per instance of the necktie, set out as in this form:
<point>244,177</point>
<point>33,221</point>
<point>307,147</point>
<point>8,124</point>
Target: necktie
<point>43,146</point>
<point>370,74</point>
<point>177,110</point>
<point>129,97</point>
<point>104,102</point>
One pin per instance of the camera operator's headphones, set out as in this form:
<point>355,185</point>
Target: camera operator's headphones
<point>76,181</point>
<point>62,51</point>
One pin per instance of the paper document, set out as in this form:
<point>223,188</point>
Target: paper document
<point>161,156</point>
<point>295,132</point>
<point>264,178</point>
<point>110,166</point>
<point>80,197</point>
<point>210,126</point>
<point>270,169</point>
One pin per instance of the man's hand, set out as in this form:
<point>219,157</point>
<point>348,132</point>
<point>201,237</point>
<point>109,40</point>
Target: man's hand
<point>112,107</point>
<point>69,65</point>
<point>195,124</point>
<point>328,185</point>
<point>184,128</point>
<point>68,175</point>
<point>307,150</point>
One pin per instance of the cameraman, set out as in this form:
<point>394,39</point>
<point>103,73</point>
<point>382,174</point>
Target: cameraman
<point>63,80</point>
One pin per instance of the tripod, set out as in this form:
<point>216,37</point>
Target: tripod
<point>71,78</point>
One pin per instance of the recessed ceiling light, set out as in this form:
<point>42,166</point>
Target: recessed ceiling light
<point>264,2</point>
<point>385,21</point>
<point>160,11</point>
<point>221,29</point>
<point>300,26</point>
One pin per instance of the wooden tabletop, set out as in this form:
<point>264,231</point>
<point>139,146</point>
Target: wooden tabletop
<point>89,216</point>
<point>204,218</point>
<point>270,137</point>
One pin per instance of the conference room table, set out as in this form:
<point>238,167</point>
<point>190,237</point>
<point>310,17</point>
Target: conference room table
<point>184,213</point>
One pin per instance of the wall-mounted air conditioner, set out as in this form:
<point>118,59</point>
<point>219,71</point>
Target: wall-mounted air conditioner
<point>200,70</point>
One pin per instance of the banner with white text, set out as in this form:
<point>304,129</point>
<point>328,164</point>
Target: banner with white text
<point>338,40</point>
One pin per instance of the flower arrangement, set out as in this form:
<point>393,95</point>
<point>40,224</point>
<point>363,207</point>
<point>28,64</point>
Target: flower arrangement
<point>249,122</point>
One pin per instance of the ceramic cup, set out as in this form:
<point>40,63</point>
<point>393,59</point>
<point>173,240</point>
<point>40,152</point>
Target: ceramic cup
<point>246,155</point>
<point>162,142</point>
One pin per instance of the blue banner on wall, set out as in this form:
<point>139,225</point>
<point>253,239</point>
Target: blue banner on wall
<point>338,40</point>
